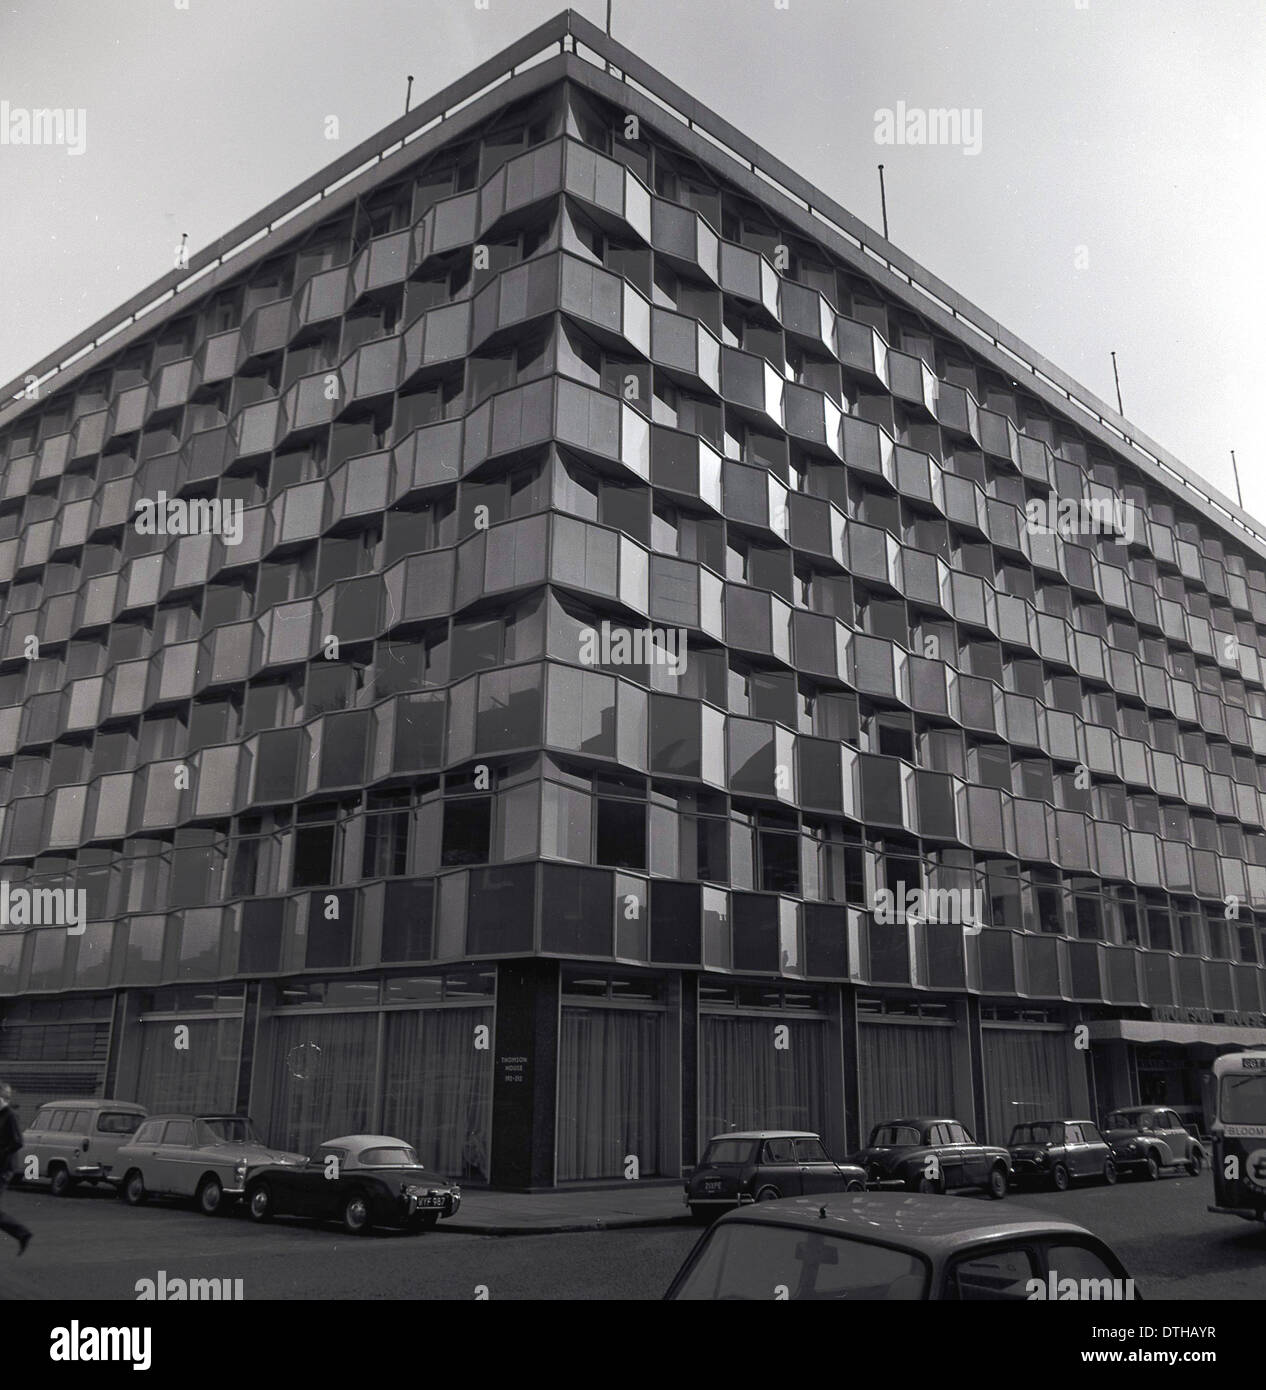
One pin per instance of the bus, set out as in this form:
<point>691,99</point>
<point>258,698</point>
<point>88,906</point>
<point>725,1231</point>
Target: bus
<point>1239,1134</point>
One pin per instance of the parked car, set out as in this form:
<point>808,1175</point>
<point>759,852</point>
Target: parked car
<point>74,1141</point>
<point>881,1245</point>
<point>1059,1152</point>
<point>763,1165</point>
<point>206,1157</point>
<point>1147,1138</point>
<point>932,1155</point>
<point>362,1180</point>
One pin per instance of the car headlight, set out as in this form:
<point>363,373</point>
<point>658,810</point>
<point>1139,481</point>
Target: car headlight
<point>239,1172</point>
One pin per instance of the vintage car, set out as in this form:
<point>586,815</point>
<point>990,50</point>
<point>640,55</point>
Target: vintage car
<point>887,1245</point>
<point>927,1154</point>
<point>1147,1138</point>
<point>763,1165</point>
<point>1059,1152</point>
<point>206,1157</point>
<point>69,1142</point>
<point>362,1180</point>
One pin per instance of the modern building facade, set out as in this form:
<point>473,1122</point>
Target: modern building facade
<point>635,578</point>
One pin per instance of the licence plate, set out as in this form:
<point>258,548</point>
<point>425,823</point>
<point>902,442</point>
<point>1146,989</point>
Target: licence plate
<point>712,1185</point>
<point>430,1201</point>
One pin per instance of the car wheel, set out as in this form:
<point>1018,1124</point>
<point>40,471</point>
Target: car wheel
<point>1196,1162</point>
<point>210,1197</point>
<point>932,1185</point>
<point>768,1194</point>
<point>998,1183</point>
<point>855,1186</point>
<point>134,1188</point>
<point>1059,1178</point>
<point>356,1217</point>
<point>59,1181</point>
<point>1109,1171</point>
<point>1152,1171</point>
<point>259,1202</point>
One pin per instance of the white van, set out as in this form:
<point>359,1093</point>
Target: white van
<point>75,1141</point>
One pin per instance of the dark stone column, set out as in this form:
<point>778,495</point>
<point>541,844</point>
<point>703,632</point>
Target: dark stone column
<point>689,1068</point>
<point>525,1071</point>
<point>976,1052</point>
<point>854,1139</point>
<point>246,1062</point>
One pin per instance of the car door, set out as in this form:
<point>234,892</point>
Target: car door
<point>1097,1150</point>
<point>1074,1151</point>
<point>817,1172</point>
<point>779,1168</point>
<point>975,1168</point>
<point>948,1155</point>
<point>320,1186</point>
<point>172,1162</point>
<point>1177,1137</point>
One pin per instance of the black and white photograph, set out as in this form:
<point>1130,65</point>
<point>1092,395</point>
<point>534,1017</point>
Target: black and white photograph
<point>579,724</point>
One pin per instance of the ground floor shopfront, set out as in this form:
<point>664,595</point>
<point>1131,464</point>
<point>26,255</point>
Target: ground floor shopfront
<point>534,1072</point>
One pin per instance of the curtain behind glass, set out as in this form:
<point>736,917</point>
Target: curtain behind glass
<point>610,1092</point>
<point>1030,1068</point>
<point>748,1083</point>
<point>437,1089</point>
<point>905,1070</point>
<point>322,1078</point>
<point>201,1077</point>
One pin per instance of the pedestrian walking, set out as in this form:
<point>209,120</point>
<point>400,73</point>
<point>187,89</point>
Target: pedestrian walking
<point>10,1146</point>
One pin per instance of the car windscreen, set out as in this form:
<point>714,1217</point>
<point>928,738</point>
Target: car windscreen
<point>1127,1119</point>
<point>730,1151</point>
<point>754,1260</point>
<point>397,1156</point>
<point>228,1129</point>
<point>1035,1134</point>
<point>1242,1099</point>
<point>893,1136</point>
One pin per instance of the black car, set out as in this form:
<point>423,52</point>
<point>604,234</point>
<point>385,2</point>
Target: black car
<point>931,1154</point>
<point>763,1165</point>
<point>1147,1138</point>
<point>1059,1152</point>
<point>362,1180</point>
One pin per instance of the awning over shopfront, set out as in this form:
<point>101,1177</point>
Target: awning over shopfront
<point>1147,1031</point>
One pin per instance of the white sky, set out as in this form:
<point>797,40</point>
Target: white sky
<point>1127,134</point>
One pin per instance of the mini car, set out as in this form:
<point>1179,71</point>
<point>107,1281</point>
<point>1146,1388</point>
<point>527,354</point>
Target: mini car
<point>206,1157</point>
<point>932,1155</point>
<point>763,1165</point>
<point>887,1245</point>
<point>1147,1138</point>
<point>77,1141</point>
<point>1059,1152</point>
<point>362,1180</point>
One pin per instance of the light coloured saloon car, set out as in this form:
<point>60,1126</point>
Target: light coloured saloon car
<point>204,1157</point>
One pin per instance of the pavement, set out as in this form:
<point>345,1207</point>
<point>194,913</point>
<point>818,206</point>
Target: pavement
<point>557,1212</point>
